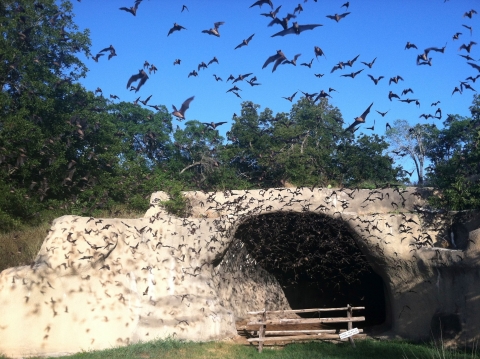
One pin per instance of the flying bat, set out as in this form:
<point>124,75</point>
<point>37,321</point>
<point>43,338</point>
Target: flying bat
<point>318,52</point>
<point>360,119</point>
<point>351,62</point>
<point>475,66</point>
<point>252,82</point>
<point>213,60</point>
<point>146,100</point>
<point>408,100</point>
<point>467,57</point>
<point>392,95</point>
<point>470,13</point>
<point>382,113</point>
<point>473,79</point>
<point>353,74</point>
<point>296,29</point>
<point>234,88</point>
<point>245,42</point>
<point>436,49</point>
<point>181,113</point>
<point>456,89</point>
<point>369,64</point>
<point>466,85</point>
<point>409,45</point>
<point>214,31</point>
<point>337,17</point>
<point>214,125</point>
<point>283,22</point>
<point>176,27</point>
<point>142,76</point>
<point>95,58</point>
<point>468,27</point>
<point>338,66</point>
<point>322,94</point>
<point>309,64</point>
<point>293,62</point>
<point>426,116</point>
<point>278,58</point>
<point>299,8</point>
<point>241,77</point>
<point>290,98</point>
<point>272,14</point>
<point>309,96</point>
<point>395,79</point>
<point>261,2</point>
<point>467,47</point>
<point>132,10</point>
<point>110,48</point>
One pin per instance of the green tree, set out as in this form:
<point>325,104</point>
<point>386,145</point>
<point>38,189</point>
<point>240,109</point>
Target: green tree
<point>310,143</point>
<point>200,158</point>
<point>364,162</point>
<point>251,151</point>
<point>455,169</point>
<point>413,141</point>
<point>305,147</point>
<point>38,97</point>
<point>143,135</point>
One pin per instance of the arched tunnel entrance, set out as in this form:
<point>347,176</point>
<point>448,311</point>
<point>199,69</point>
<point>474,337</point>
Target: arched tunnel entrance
<point>316,261</point>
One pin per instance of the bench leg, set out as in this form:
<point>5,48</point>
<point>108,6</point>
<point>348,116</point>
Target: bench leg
<point>261,334</point>
<point>349,325</point>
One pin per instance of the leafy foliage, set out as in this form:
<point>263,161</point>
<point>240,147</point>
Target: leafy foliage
<point>413,141</point>
<point>38,65</point>
<point>306,147</point>
<point>455,157</point>
<point>63,147</point>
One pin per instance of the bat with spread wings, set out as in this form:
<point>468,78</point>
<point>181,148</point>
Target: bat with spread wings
<point>296,29</point>
<point>142,76</point>
<point>279,57</point>
<point>360,119</point>
<point>337,17</point>
<point>185,105</point>
<point>245,42</point>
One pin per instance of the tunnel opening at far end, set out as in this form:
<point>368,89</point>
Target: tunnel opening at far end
<point>317,262</point>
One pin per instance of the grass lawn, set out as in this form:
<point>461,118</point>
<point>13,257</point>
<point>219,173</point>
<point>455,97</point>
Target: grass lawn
<point>366,349</point>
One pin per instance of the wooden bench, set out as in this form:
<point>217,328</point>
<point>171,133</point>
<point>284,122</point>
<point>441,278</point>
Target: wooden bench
<point>265,335</point>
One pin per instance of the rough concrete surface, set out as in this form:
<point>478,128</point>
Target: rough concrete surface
<point>98,283</point>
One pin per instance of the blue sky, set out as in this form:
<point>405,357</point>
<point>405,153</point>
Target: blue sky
<point>374,29</point>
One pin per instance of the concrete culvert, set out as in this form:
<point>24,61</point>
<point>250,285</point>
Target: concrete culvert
<point>316,261</point>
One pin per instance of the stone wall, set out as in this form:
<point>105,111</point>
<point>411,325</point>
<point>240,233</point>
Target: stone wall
<point>243,286</point>
<point>98,283</point>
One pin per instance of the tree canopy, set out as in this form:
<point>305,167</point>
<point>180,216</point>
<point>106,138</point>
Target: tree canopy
<point>455,157</point>
<point>63,147</point>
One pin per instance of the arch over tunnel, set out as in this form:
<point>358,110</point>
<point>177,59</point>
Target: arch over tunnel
<point>317,262</point>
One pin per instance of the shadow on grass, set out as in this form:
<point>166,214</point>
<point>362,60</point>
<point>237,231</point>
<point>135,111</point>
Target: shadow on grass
<point>371,349</point>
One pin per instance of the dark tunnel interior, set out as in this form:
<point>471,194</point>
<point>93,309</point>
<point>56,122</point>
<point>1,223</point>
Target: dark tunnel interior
<point>317,262</point>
